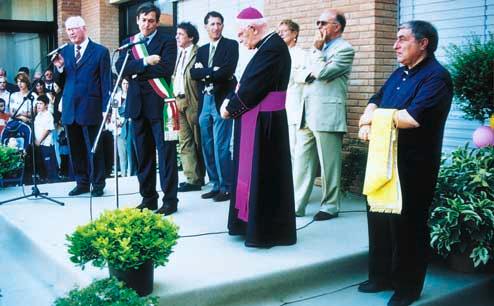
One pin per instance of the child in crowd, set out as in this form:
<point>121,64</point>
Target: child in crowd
<point>65,173</point>
<point>43,127</point>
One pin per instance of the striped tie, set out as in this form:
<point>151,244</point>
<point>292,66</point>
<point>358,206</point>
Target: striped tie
<point>78,53</point>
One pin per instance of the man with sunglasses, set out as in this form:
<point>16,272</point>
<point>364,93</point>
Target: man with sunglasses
<point>323,123</point>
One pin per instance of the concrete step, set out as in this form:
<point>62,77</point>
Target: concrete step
<point>28,275</point>
<point>442,287</point>
<point>323,268</point>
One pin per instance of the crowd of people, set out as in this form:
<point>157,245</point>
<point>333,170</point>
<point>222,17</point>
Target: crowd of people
<point>288,109</point>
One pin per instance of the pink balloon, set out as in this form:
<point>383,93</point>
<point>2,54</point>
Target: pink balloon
<point>483,137</point>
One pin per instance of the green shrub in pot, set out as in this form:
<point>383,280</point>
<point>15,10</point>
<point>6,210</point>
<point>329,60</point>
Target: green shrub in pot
<point>462,218</point>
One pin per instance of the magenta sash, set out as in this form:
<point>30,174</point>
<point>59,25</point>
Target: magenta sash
<point>274,101</point>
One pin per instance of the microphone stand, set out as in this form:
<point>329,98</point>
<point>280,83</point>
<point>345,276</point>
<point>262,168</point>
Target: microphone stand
<point>113,105</point>
<point>35,190</point>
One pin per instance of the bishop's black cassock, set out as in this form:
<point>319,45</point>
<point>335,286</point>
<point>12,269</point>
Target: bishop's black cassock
<point>268,217</point>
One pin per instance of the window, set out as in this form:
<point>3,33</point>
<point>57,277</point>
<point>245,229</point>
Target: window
<point>27,33</point>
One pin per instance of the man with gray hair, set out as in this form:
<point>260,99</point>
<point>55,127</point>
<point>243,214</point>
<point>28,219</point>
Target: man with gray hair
<point>11,88</point>
<point>84,69</point>
<point>322,122</point>
<point>4,93</point>
<point>262,205</point>
<point>421,92</point>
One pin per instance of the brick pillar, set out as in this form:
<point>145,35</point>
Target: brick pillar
<point>100,16</point>
<point>371,29</point>
<point>102,22</point>
<point>65,9</point>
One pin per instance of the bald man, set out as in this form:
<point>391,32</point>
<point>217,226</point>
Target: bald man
<point>323,116</point>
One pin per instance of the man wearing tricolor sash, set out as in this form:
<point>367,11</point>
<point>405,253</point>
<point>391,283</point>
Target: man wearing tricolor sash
<point>262,204</point>
<point>151,107</point>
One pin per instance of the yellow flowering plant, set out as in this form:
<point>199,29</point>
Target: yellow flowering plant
<point>123,239</point>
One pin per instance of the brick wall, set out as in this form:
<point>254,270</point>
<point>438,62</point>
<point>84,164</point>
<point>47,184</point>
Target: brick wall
<point>102,20</point>
<point>371,29</point>
<point>100,16</point>
<point>65,9</point>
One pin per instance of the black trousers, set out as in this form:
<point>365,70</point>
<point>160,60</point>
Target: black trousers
<point>149,137</point>
<point>399,248</point>
<point>87,167</point>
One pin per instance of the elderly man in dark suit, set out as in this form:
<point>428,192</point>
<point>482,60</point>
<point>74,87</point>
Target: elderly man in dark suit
<point>84,68</point>
<point>150,68</point>
<point>214,68</point>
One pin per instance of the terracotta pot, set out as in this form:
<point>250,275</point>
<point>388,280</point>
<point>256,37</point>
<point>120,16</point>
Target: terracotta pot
<point>140,279</point>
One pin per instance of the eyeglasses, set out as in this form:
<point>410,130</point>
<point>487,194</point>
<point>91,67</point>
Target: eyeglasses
<point>3,82</point>
<point>322,23</point>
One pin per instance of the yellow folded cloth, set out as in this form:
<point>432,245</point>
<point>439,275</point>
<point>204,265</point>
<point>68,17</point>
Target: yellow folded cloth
<point>382,183</point>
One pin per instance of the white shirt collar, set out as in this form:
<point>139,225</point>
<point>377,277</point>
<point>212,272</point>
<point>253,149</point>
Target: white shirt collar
<point>83,46</point>
<point>150,36</point>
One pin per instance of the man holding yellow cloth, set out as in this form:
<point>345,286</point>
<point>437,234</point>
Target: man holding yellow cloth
<point>421,92</point>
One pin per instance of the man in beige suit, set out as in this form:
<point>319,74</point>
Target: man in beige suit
<point>186,95</point>
<point>323,117</point>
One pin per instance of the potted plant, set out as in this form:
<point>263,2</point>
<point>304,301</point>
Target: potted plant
<point>462,218</point>
<point>11,163</point>
<point>108,291</point>
<point>472,72</point>
<point>131,242</point>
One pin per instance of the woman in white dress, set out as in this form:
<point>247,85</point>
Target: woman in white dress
<point>25,110</point>
<point>289,30</point>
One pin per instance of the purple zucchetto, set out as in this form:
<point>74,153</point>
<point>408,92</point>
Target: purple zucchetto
<point>250,16</point>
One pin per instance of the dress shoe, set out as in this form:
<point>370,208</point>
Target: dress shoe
<point>78,190</point>
<point>189,187</point>
<point>322,216</point>
<point>153,205</point>
<point>167,209</point>
<point>373,287</point>
<point>400,299</point>
<point>209,195</point>
<point>222,196</point>
<point>97,192</point>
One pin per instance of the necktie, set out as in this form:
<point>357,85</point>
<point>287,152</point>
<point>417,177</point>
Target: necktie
<point>211,55</point>
<point>183,59</point>
<point>78,53</point>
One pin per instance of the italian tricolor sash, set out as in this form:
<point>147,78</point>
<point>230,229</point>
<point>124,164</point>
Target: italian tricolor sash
<point>165,91</point>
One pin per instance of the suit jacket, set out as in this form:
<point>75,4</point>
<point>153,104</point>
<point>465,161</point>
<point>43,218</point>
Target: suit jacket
<point>142,100</point>
<point>190,85</point>
<point>325,99</point>
<point>87,84</point>
<point>223,80</point>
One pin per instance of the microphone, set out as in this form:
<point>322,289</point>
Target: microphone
<point>131,44</point>
<point>57,49</point>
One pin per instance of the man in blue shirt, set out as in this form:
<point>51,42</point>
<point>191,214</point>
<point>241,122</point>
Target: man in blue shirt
<point>421,90</point>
